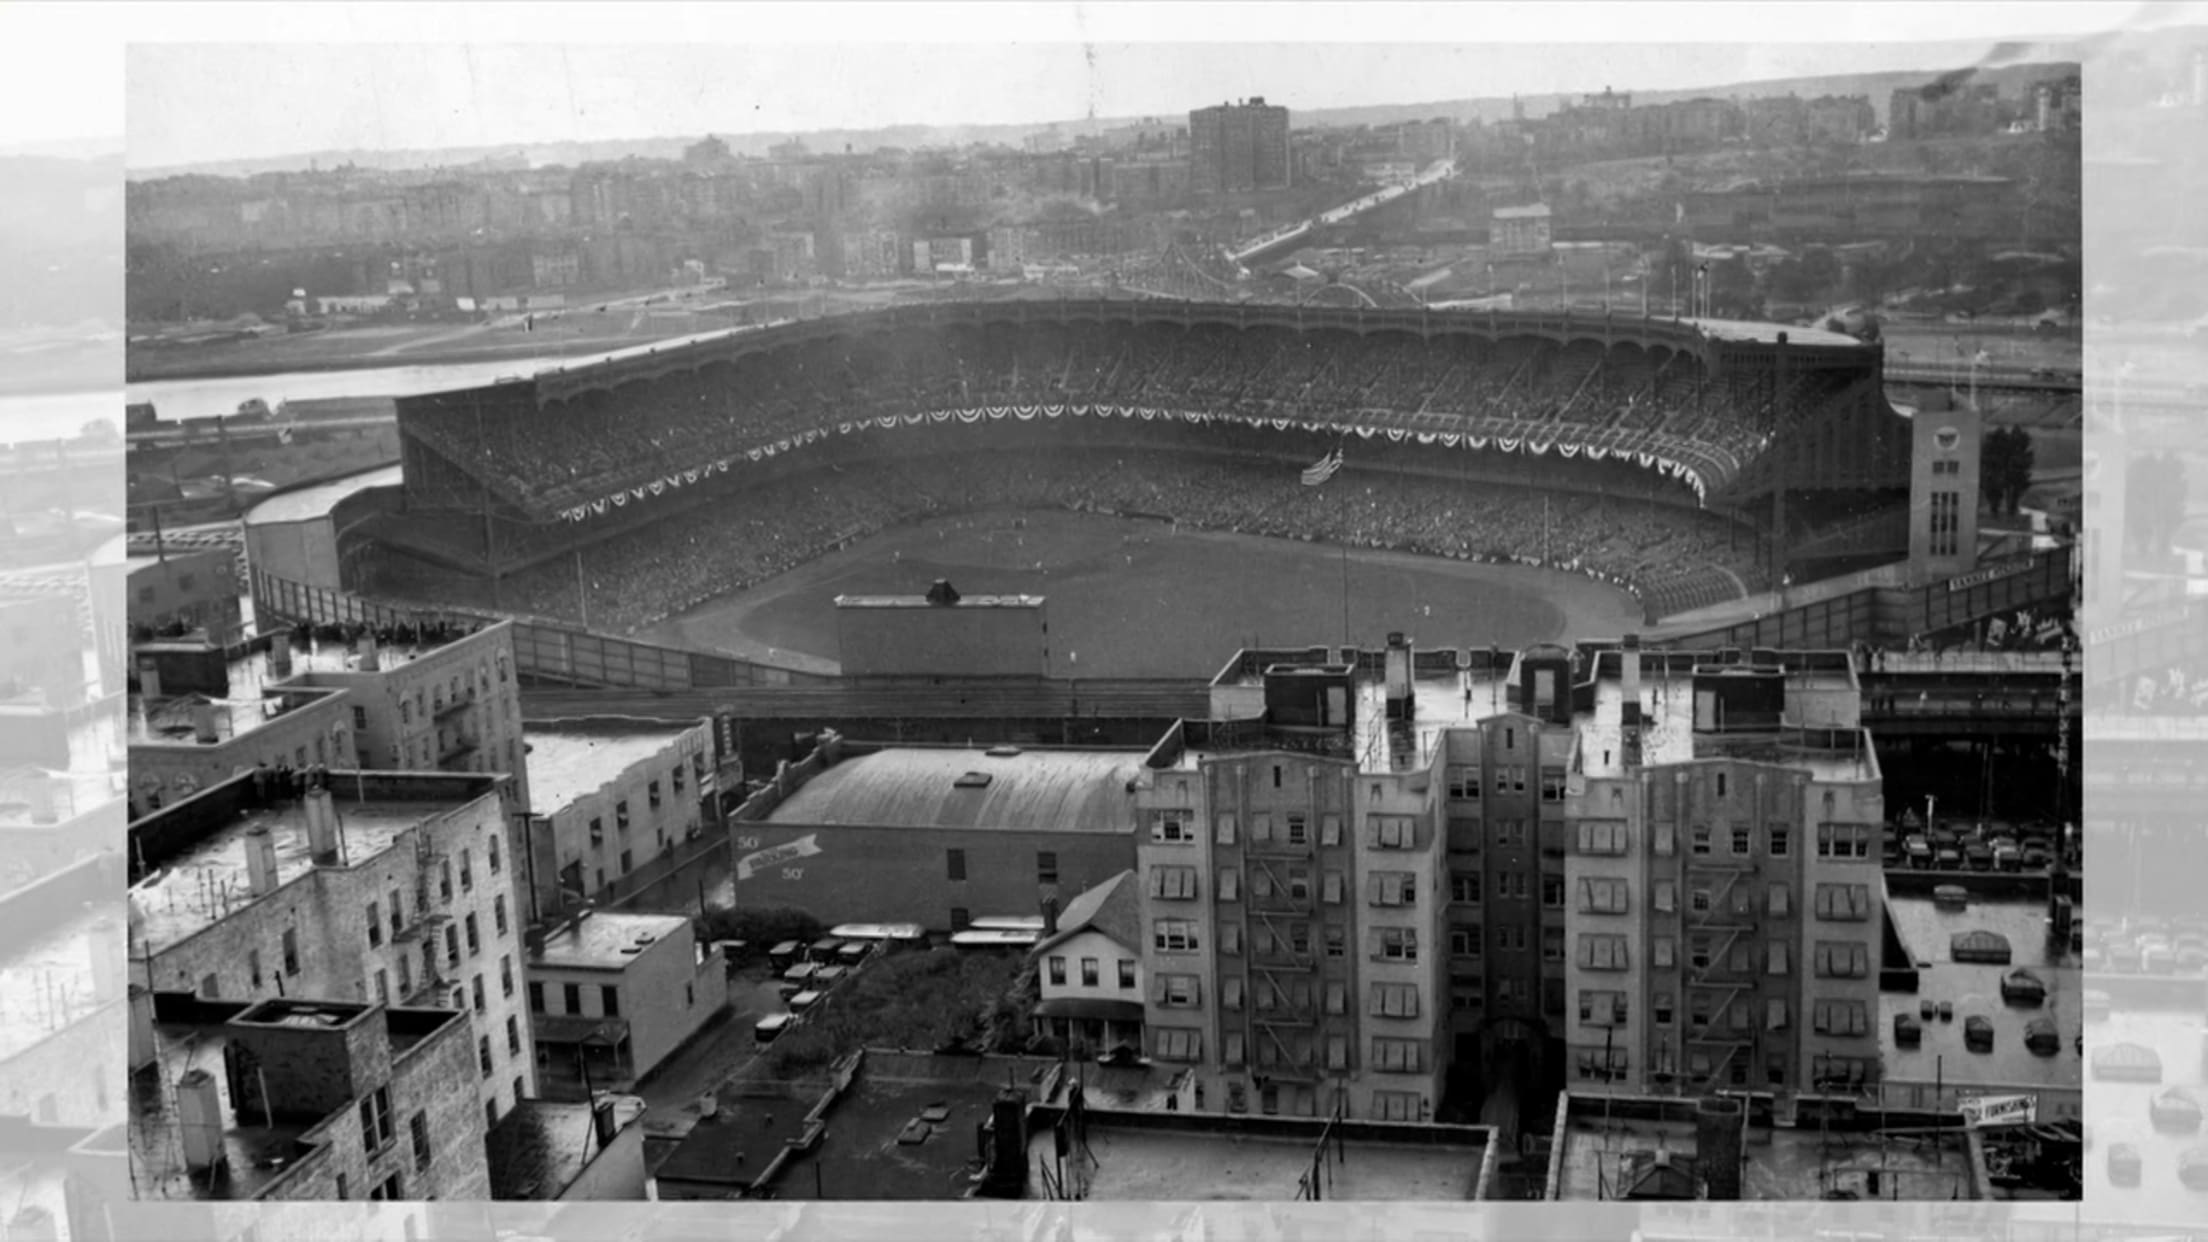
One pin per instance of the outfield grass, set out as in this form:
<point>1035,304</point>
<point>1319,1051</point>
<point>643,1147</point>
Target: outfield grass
<point>1133,599</point>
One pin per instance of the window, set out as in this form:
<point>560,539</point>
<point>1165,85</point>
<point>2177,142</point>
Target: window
<point>1089,972</point>
<point>1602,1009</point>
<point>1552,785</point>
<point>536,996</point>
<point>651,793</point>
<point>483,1056</point>
<point>1740,840</point>
<point>506,977</point>
<point>1842,959</point>
<point>1177,1044</point>
<point>1664,895</point>
<point>621,815</point>
<point>1230,884</point>
<point>1299,828</point>
<point>1464,783</point>
<point>1698,899</point>
<point>475,937</point>
<point>1174,936</point>
<point>1778,839</point>
<point>1602,896</point>
<point>513,1036</point>
<point>418,1129</point>
<point>1844,903</point>
<point>955,861</point>
<point>1223,829</point>
<point>1698,953</point>
<point>1774,1013</point>
<point>1173,883</point>
<point>1172,828</point>
<point>1126,975</point>
<point>1398,944</point>
<point>1663,953</point>
<point>375,926</point>
<point>444,883</point>
<point>1464,941</point>
<point>1778,959</point>
<point>1330,830</point>
<point>1606,838</point>
<point>1552,944</point>
<point>291,951</point>
<point>1337,941</point>
<point>1176,991</point>
<point>1660,1009</point>
<point>627,863</point>
<point>253,967</point>
<point>1604,952</point>
<point>498,913</point>
<point>1390,832</point>
<point>1393,1000</point>
<point>1552,892</point>
<point>597,832</point>
<point>675,777</point>
<point>1276,776</point>
<point>1046,867</point>
<point>1398,1056</point>
<point>1701,840</point>
<point>452,944</point>
<point>1840,1017</point>
<point>467,871</point>
<point>375,1121</point>
<point>476,987</point>
<point>1667,839</point>
<point>1235,1053</point>
<point>1398,1105</point>
<point>960,917</point>
<point>1393,888</point>
<point>572,993</point>
<point>1464,887</point>
<point>1057,971</point>
<point>609,1001</point>
<point>1843,841</point>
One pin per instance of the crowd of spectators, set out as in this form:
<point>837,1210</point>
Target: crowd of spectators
<point>739,540</point>
<point>582,449</point>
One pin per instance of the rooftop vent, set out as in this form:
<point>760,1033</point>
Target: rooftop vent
<point>972,780</point>
<point>1002,752</point>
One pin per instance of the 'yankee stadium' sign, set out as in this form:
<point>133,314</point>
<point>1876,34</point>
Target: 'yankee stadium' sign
<point>751,864</point>
<point>1999,1110</point>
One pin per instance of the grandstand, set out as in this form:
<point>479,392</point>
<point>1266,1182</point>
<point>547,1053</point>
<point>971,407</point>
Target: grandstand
<point>1487,436</point>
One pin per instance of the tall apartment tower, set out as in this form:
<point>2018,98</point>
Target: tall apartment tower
<point>1724,874</point>
<point>1238,148</point>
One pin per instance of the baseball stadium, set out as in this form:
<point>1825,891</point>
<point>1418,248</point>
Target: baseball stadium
<point>1178,479</point>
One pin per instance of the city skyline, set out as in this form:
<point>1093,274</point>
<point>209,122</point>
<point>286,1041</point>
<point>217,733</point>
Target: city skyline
<point>207,103</point>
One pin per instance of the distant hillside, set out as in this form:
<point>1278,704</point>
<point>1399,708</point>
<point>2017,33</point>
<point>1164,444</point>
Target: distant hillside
<point>1879,86</point>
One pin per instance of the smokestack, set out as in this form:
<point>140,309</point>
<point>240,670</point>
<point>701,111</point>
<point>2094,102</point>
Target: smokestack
<point>321,827</point>
<point>1720,1139</point>
<point>1630,674</point>
<point>279,656</point>
<point>367,650</point>
<point>1050,916</point>
<point>602,1120</point>
<point>203,724</point>
<point>1008,1142</point>
<point>260,861</point>
<point>199,1116</point>
<point>143,1051</point>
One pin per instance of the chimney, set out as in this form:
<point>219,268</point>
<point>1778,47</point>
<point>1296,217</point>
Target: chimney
<point>603,1120</point>
<point>532,941</point>
<point>279,656</point>
<point>260,861</point>
<point>1050,917</point>
<point>1720,1140</point>
<point>1007,1143</point>
<point>199,1116</point>
<point>143,1050</point>
<point>367,650</point>
<point>321,827</point>
<point>1396,671</point>
<point>1630,674</point>
<point>149,680</point>
<point>203,724</point>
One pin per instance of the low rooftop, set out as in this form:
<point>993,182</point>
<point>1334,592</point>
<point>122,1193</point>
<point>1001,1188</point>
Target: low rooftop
<point>935,1102</point>
<point>68,762</point>
<point>190,1034</point>
<point>598,942</point>
<point>1604,1157</point>
<point>50,979</point>
<point>1084,791</point>
<point>1192,1157</point>
<point>188,858</point>
<point>540,1147</point>
<point>571,760</point>
<point>749,1129</point>
<point>1975,990</point>
<point>174,719</point>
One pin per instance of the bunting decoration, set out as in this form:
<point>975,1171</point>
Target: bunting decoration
<point>1666,455</point>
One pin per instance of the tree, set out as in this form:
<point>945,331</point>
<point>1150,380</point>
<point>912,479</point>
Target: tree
<point>2005,469</point>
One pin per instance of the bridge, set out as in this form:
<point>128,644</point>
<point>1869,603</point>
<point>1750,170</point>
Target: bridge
<point>1970,695</point>
<point>1988,381</point>
<point>1303,231</point>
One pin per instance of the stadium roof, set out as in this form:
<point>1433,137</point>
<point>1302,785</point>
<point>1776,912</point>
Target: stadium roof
<point>309,503</point>
<point>912,787</point>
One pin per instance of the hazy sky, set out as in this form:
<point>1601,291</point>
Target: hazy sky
<point>404,76</point>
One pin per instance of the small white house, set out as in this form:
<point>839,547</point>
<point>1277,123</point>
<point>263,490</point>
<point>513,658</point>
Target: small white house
<point>1090,970</point>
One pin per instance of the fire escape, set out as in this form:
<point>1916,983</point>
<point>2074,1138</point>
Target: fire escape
<point>1729,916</point>
<point>431,918</point>
<point>1283,963</point>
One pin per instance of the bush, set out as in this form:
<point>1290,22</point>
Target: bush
<point>761,928</point>
<point>801,1050</point>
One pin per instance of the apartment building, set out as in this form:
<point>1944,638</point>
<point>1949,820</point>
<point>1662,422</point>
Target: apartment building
<point>1237,148</point>
<point>359,888</point>
<point>616,801</point>
<point>622,991</point>
<point>1724,876</point>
